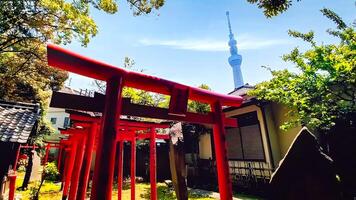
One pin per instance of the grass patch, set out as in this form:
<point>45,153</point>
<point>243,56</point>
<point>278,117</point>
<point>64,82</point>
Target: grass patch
<point>51,191</point>
<point>163,192</point>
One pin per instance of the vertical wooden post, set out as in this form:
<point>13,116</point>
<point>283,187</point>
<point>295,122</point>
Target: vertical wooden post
<point>84,179</point>
<point>177,166</point>
<point>66,165</point>
<point>17,157</point>
<point>77,167</point>
<point>59,158</point>
<point>222,165</point>
<point>68,176</point>
<point>120,170</point>
<point>105,154</point>
<point>46,155</point>
<point>12,185</point>
<point>133,168</point>
<point>153,170</point>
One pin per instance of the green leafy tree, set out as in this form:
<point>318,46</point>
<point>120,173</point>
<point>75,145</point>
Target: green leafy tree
<point>137,96</point>
<point>195,106</point>
<point>272,7</point>
<point>25,28</point>
<point>324,89</point>
<point>49,173</point>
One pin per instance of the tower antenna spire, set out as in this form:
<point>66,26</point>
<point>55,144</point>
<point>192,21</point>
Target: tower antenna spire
<point>228,21</point>
<point>235,58</point>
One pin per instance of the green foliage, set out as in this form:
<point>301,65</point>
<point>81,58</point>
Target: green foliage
<point>25,28</point>
<point>195,106</point>
<point>33,191</point>
<point>21,168</point>
<point>150,98</point>
<point>47,190</point>
<point>50,172</point>
<point>137,96</point>
<point>144,6</point>
<point>324,89</point>
<point>272,7</point>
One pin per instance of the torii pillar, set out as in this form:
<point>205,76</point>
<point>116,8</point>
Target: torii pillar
<point>104,171</point>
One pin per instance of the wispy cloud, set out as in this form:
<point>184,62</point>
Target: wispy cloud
<point>245,43</point>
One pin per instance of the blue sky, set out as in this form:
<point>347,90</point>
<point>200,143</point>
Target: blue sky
<point>186,40</point>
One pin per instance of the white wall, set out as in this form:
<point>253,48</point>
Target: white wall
<point>57,113</point>
<point>205,146</point>
<point>252,108</point>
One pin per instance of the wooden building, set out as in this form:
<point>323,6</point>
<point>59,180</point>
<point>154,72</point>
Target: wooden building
<point>255,148</point>
<point>18,121</point>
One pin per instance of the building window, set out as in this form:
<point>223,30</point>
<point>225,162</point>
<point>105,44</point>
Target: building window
<point>66,122</point>
<point>245,142</point>
<point>53,120</point>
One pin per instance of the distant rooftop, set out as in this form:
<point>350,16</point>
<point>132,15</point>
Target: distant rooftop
<point>242,92</point>
<point>69,90</point>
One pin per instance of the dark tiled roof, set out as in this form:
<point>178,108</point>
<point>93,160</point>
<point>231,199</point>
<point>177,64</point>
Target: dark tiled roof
<point>242,89</point>
<point>17,121</point>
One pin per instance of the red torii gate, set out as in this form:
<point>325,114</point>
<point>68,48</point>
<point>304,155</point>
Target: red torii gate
<point>116,79</point>
<point>76,137</point>
<point>129,129</point>
<point>13,175</point>
<point>79,137</point>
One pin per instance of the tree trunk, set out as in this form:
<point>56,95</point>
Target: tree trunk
<point>177,165</point>
<point>27,177</point>
<point>36,197</point>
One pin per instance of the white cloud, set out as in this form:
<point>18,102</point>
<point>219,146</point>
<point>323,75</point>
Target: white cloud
<point>244,42</point>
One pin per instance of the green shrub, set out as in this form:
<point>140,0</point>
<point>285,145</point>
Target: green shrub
<point>33,190</point>
<point>50,172</point>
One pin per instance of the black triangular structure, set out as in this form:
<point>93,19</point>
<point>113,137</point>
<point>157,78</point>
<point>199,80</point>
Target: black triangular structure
<point>305,172</point>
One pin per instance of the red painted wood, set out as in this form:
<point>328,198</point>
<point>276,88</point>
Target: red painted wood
<point>17,157</point>
<point>71,162</point>
<point>133,168</point>
<point>87,164</point>
<point>117,78</point>
<point>120,170</point>
<point>12,185</point>
<point>161,113</point>
<point>106,150</point>
<point>149,112</point>
<point>121,124</point>
<point>73,62</point>
<point>78,166</point>
<point>153,168</point>
<point>160,136</point>
<point>59,161</point>
<point>66,165</point>
<point>178,101</point>
<point>222,165</point>
<point>46,155</point>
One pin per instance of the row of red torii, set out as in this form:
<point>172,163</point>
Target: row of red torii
<point>79,142</point>
<point>112,131</point>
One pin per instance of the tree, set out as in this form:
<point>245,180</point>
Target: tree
<point>272,8</point>
<point>322,95</point>
<point>195,106</point>
<point>137,96</point>
<point>27,25</point>
<point>325,88</point>
<point>50,173</point>
<point>25,28</point>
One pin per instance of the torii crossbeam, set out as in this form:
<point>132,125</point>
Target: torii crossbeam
<point>116,78</point>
